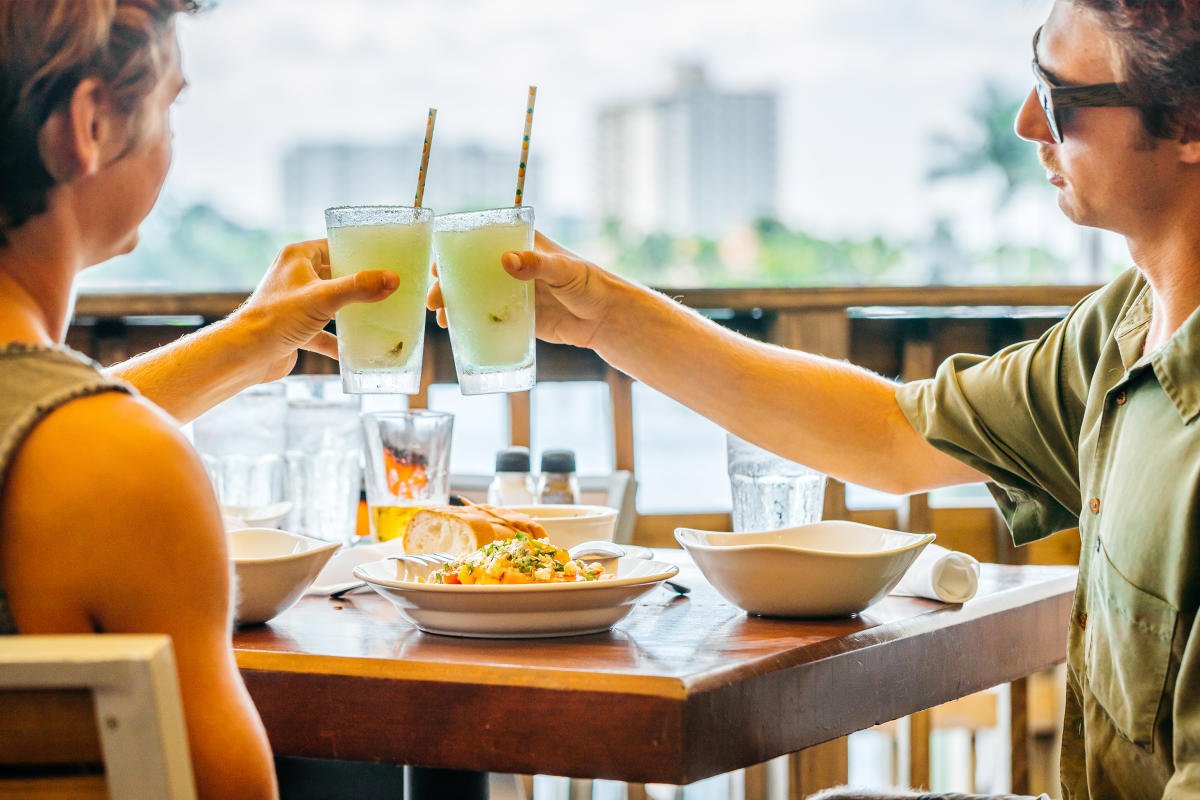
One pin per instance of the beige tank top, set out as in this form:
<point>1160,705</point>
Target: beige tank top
<point>34,381</point>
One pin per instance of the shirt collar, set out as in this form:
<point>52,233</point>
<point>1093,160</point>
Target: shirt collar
<point>1177,365</point>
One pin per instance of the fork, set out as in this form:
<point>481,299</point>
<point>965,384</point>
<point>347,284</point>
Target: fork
<point>429,561</point>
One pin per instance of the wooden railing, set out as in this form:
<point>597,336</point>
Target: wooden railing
<point>900,332</point>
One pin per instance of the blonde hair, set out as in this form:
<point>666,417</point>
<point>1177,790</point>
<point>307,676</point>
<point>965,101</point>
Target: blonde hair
<point>47,47</point>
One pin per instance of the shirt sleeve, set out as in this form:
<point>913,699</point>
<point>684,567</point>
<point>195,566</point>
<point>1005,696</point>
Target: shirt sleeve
<point>1015,416</point>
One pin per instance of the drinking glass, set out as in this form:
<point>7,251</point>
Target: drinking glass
<point>408,466</point>
<point>323,457</point>
<point>490,313</point>
<point>241,442</point>
<point>380,344</point>
<point>769,491</point>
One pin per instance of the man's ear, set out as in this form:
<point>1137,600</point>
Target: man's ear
<point>72,141</point>
<point>1189,144</point>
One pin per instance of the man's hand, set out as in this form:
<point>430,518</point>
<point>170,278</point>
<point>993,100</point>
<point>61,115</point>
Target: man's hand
<point>296,299</point>
<point>572,294</point>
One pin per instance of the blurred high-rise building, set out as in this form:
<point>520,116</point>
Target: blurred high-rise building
<point>461,178</point>
<point>693,160</point>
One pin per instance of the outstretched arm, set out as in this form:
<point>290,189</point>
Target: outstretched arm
<point>259,342</point>
<point>828,414</point>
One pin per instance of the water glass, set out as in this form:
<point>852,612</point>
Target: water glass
<point>323,456</point>
<point>407,466</point>
<point>489,312</point>
<point>380,344</point>
<point>769,491</point>
<point>241,442</point>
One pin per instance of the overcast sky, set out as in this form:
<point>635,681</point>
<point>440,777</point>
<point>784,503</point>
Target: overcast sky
<point>862,84</point>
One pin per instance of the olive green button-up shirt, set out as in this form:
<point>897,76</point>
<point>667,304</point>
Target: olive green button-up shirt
<point>1079,429</point>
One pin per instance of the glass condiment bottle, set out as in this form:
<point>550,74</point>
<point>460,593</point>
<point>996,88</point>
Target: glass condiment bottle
<point>557,484</point>
<point>513,485</point>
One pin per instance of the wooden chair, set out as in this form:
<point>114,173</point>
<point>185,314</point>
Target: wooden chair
<point>92,716</point>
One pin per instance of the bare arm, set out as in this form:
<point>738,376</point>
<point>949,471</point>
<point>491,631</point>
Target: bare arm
<point>828,414</point>
<point>110,525</point>
<point>258,342</point>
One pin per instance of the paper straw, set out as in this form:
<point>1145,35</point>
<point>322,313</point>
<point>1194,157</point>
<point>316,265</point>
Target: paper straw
<point>425,158</point>
<point>525,145</point>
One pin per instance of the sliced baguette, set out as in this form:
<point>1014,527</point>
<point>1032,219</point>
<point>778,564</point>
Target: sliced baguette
<point>458,530</point>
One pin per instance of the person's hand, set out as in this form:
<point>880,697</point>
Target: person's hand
<point>296,299</point>
<point>572,294</point>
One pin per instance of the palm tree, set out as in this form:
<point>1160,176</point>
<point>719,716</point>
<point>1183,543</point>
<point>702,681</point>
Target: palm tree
<point>991,147</point>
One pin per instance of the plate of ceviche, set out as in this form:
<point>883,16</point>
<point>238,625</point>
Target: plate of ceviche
<point>515,589</point>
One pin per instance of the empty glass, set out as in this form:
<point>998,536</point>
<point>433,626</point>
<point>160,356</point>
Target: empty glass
<point>241,442</point>
<point>770,491</point>
<point>323,456</point>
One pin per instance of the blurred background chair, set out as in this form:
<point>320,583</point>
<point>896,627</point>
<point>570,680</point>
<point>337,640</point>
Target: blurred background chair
<point>92,716</point>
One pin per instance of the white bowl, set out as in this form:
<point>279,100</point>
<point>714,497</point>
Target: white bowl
<point>569,525</point>
<point>273,569</point>
<point>827,569</point>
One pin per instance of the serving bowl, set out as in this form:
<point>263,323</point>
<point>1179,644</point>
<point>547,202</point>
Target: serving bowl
<point>273,569</point>
<point>827,569</point>
<point>569,525</point>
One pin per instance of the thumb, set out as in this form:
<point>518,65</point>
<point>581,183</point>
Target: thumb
<point>563,276</point>
<point>370,285</point>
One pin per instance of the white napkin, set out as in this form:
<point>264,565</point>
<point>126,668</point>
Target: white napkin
<point>940,574</point>
<point>339,571</point>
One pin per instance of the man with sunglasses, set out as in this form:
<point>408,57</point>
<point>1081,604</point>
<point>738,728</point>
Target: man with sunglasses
<point>1093,426</point>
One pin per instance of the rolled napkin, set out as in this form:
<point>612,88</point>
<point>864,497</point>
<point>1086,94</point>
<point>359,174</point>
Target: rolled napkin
<point>941,574</point>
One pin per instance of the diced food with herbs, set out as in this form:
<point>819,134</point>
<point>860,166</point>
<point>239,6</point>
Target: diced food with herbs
<point>518,560</point>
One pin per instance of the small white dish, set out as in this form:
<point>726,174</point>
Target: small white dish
<point>569,525</point>
<point>255,516</point>
<point>521,611</point>
<point>273,568</point>
<point>827,569</point>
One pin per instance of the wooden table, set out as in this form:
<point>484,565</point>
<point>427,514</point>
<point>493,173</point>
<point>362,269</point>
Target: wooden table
<point>682,689</point>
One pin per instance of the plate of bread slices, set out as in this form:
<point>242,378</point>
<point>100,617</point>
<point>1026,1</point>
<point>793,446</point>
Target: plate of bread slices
<point>497,575</point>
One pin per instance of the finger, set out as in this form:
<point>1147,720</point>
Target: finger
<point>435,269</point>
<point>433,300</point>
<point>441,317</point>
<point>323,271</point>
<point>324,343</point>
<point>368,286</point>
<point>556,271</point>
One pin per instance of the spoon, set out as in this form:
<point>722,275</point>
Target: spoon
<point>606,554</point>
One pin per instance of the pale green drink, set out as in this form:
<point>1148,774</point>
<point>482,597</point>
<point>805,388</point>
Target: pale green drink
<point>490,313</point>
<point>380,344</point>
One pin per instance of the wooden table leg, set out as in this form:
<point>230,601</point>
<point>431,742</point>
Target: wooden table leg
<point>424,783</point>
<point>820,767</point>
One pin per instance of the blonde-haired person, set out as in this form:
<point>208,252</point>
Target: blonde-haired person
<point>107,520</point>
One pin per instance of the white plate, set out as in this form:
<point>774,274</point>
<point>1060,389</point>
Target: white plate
<point>519,611</point>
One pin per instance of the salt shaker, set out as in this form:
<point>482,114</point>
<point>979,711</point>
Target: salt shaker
<point>513,485</point>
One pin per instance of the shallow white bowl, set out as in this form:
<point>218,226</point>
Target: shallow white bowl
<point>273,569</point>
<point>827,569</point>
<point>569,525</point>
<point>523,611</point>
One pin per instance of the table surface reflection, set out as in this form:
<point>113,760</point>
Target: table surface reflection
<point>684,688</point>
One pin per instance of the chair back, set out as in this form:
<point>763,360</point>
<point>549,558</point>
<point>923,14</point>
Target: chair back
<point>93,715</point>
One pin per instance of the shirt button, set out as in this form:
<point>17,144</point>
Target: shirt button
<point>1083,620</point>
<point>1121,397</point>
<point>1094,505</point>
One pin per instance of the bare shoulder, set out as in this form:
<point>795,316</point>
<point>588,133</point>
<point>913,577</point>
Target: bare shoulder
<point>106,497</point>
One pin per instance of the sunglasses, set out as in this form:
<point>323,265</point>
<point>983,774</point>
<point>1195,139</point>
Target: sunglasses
<point>1056,99</point>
